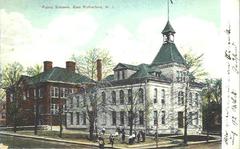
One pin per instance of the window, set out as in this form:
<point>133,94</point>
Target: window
<point>84,100</point>
<point>11,97</point>
<point>55,92</point>
<point>130,100</point>
<point>163,117</point>
<point>3,115</point>
<point>27,93</point>
<point>114,97</point>
<point>122,113</point>
<point>180,98</point>
<point>84,118</point>
<point>118,75</point>
<point>34,93</point>
<point>190,118</point>
<point>196,118</point>
<point>71,102</point>
<point>103,97</point>
<point>78,118</point>
<point>163,96</point>
<point>121,97</point>
<point>155,96</point>
<point>24,95</point>
<point>71,120</point>
<point>190,99</point>
<point>40,93</point>
<point>129,117</point>
<point>140,95</point>
<point>61,92</point>
<point>123,75</point>
<point>178,76</point>
<point>196,99</point>
<point>54,109</point>
<point>155,117</point>
<point>114,118</point>
<point>70,90</point>
<point>141,117</point>
<point>180,119</point>
<point>78,100</point>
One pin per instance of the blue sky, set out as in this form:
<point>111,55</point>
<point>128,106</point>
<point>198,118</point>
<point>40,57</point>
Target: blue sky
<point>130,30</point>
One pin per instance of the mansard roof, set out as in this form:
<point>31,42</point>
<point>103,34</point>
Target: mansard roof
<point>168,53</point>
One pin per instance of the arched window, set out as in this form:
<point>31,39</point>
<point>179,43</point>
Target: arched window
<point>155,96</point>
<point>163,96</point>
<point>113,97</point>
<point>121,93</point>
<point>103,97</point>
<point>140,95</point>
<point>190,99</point>
<point>180,98</point>
<point>130,100</point>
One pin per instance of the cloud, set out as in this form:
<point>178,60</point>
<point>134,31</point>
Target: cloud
<point>29,45</point>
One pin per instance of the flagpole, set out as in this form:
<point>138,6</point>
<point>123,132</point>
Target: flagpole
<point>168,9</point>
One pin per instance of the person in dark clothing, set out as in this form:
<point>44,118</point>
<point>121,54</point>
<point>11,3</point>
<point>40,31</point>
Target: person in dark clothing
<point>101,142</point>
<point>111,139</point>
<point>123,136</point>
<point>143,136</point>
<point>138,136</point>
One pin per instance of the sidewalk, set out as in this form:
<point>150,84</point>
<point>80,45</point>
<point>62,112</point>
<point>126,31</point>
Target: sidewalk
<point>167,143</point>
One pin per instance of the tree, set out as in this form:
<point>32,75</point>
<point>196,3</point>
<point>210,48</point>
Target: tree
<point>34,70</point>
<point>86,64</point>
<point>194,64</point>
<point>10,77</point>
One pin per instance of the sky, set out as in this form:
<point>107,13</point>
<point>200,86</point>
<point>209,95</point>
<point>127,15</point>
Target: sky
<point>39,30</point>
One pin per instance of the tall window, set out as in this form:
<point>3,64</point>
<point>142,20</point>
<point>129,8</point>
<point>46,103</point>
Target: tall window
<point>196,118</point>
<point>71,116</point>
<point>190,118</point>
<point>178,76</point>
<point>103,97</point>
<point>24,95</point>
<point>56,91</point>
<point>123,75</point>
<point>155,117</point>
<point>35,93</point>
<point>130,100</point>
<point>141,117</point>
<point>130,115</point>
<point>163,117</point>
<point>61,92</point>
<point>155,96</point>
<point>196,99</point>
<point>180,98</point>
<point>84,118</point>
<point>28,93</point>
<point>190,99</point>
<point>78,118</point>
<point>163,96</point>
<point>11,97</point>
<point>122,113</point>
<point>121,96</point>
<point>40,93</point>
<point>78,100</point>
<point>118,75</point>
<point>114,118</point>
<point>113,97</point>
<point>140,95</point>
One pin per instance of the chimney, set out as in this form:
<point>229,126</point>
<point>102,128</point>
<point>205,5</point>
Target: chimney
<point>47,65</point>
<point>99,69</point>
<point>70,66</point>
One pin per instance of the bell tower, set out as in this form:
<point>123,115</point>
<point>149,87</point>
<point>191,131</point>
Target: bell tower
<point>168,33</point>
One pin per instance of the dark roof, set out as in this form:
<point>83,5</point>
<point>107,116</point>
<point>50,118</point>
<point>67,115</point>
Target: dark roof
<point>168,28</point>
<point>143,72</point>
<point>168,53</point>
<point>60,75</point>
<point>127,66</point>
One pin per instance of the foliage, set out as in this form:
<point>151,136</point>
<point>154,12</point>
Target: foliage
<point>11,74</point>
<point>86,64</point>
<point>34,70</point>
<point>194,63</point>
